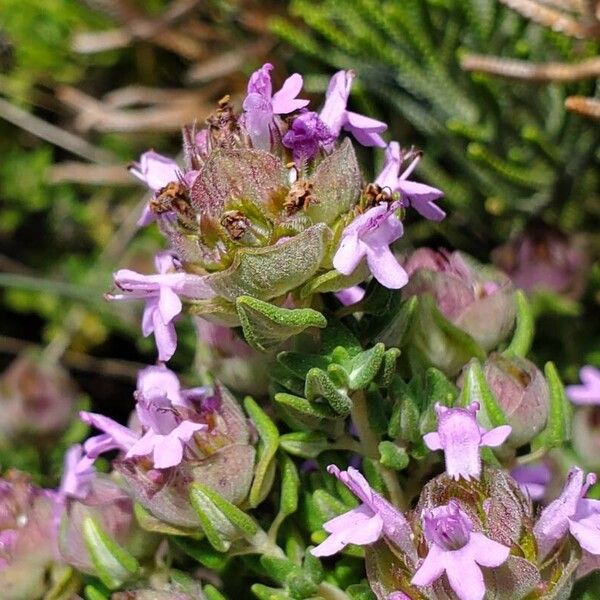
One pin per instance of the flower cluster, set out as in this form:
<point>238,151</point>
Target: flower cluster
<point>267,201</point>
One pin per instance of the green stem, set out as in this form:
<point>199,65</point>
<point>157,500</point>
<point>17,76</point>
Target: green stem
<point>369,441</point>
<point>330,592</point>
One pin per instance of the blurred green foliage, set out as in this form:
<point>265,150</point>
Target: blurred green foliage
<point>501,150</point>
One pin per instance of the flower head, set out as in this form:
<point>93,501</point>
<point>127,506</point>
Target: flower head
<point>460,437</point>
<point>161,293</point>
<point>260,105</point>
<point>335,115</point>
<point>370,236</point>
<point>571,511</point>
<point>457,550</point>
<point>418,195</point>
<point>306,135</point>
<point>588,393</point>
<point>367,523</point>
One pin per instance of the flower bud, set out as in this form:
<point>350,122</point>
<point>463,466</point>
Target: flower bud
<point>543,258</point>
<point>37,399</point>
<point>522,393</point>
<point>27,537</point>
<point>475,298</point>
<point>112,509</point>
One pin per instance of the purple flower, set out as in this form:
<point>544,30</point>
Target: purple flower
<point>160,408</point>
<point>161,293</point>
<point>418,195</point>
<point>336,117</point>
<point>457,550</point>
<point>460,437</point>
<point>260,105</point>
<point>351,295</point>
<point>156,171</point>
<point>571,511</point>
<point>306,135</point>
<point>370,235</point>
<point>77,475</point>
<point>532,479</point>
<point>589,392</point>
<point>367,523</point>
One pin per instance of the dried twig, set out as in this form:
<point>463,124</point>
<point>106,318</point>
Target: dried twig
<point>53,134</point>
<point>522,69</point>
<point>78,172</point>
<point>557,20</point>
<point>587,107</point>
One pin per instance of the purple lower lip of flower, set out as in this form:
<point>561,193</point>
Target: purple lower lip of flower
<point>367,523</point>
<point>336,116</point>
<point>460,436</point>
<point>571,511</point>
<point>458,551</point>
<point>306,136</point>
<point>369,236</point>
<point>78,473</point>
<point>588,393</point>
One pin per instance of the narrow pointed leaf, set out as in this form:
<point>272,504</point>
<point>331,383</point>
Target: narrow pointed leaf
<point>319,385</point>
<point>365,366</point>
<point>524,328</point>
<point>269,442</point>
<point>476,389</point>
<point>303,406</point>
<point>113,564</point>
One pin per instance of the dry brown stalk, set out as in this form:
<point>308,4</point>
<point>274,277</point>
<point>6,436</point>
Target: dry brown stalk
<point>522,69</point>
<point>587,107</point>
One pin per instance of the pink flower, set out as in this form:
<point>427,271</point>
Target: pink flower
<point>156,171</point>
<point>370,235</point>
<point>77,474</point>
<point>458,551</point>
<point>351,295</point>
<point>589,392</point>
<point>460,437</point>
<point>335,115</point>
<point>364,525</point>
<point>571,511</point>
<point>418,195</point>
<point>161,293</point>
<point>160,410</point>
<point>260,105</point>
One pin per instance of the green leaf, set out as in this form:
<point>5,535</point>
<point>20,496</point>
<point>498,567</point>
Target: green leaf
<point>393,456</point>
<point>149,522</point>
<point>439,388</point>
<point>524,329</point>
<point>405,420</point>
<point>272,271</point>
<point>388,368</point>
<point>278,568</point>
<point>337,335</point>
<point>269,442</point>
<point>558,428</point>
<point>476,389</point>
<point>337,184</point>
<point>212,593</point>
<point>266,325</point>
<point>201,551</point>
<point>112,563</point>
<point>299,364</point>
<point>92,593</point>
<point>365,366</point>
<point>319,385</point>
<point>306,444</point>
<point>303,406</point>
<point>333,281</point>
<point>392,329</point>
<point>262,592</point>
<point>290,485</point>
<point>221,521</point>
